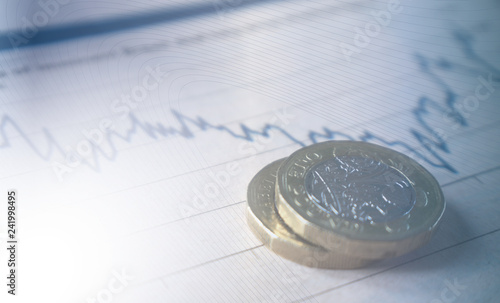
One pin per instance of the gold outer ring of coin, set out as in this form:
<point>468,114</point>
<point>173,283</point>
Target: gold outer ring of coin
<point>377,240</point>
<point>266,224</point>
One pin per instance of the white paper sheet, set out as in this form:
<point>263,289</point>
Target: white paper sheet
<point>131,150</point>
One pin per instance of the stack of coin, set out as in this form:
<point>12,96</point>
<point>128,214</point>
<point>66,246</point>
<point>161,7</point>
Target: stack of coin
<point>344,204</point>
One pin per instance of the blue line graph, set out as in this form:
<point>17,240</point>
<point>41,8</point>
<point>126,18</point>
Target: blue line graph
<point>429,140</point>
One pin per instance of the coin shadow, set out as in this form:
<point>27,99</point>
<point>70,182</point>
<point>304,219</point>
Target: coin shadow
<point>441,251</point>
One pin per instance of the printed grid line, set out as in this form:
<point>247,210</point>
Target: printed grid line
<point>345,284</point>
<point>404,263</point>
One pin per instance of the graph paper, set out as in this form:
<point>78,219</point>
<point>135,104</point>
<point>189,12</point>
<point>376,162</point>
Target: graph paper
<point>130,132</point>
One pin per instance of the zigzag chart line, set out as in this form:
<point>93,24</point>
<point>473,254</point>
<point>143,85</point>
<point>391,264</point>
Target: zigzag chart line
<point>429,140</point>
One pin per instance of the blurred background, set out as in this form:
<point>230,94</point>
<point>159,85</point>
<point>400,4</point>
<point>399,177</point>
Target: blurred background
<point>131,129</point>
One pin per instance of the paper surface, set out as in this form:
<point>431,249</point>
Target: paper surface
<point>131,150</point>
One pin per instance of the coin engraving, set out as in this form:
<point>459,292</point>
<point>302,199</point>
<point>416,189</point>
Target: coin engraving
<point>360,189</point>
<point>265,222</point>
<point>373,202</point>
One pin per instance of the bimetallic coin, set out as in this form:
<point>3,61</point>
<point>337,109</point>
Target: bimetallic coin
<point>358,198</point>
<point>267,225</point>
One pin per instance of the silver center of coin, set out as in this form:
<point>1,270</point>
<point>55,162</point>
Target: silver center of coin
<point>360,189</point>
